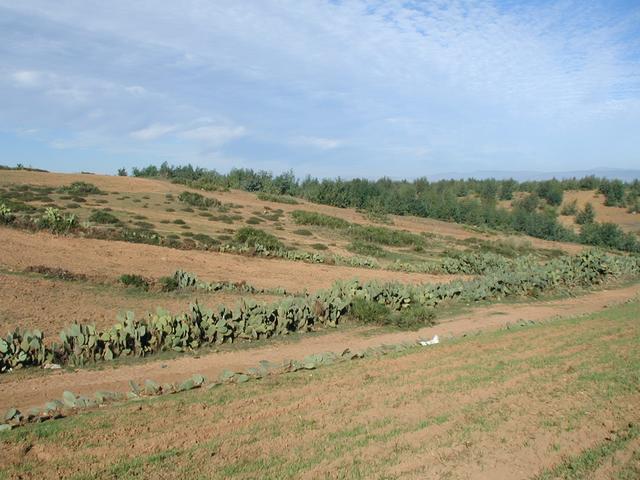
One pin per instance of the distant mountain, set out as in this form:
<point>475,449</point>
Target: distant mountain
<point>611,173</point>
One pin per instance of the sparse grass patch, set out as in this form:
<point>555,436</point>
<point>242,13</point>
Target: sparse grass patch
<point>304,232</point>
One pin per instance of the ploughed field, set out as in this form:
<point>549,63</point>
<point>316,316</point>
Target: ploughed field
<point>553,400</point>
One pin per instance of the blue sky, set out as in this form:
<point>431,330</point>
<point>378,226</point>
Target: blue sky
<point>327,88</point>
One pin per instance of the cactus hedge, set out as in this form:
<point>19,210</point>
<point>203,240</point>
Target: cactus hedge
<point>80,344</point>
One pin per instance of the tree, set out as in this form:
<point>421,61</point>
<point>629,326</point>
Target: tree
<point>586,216</point>
<point>551,191</point>
<point>122,172</point>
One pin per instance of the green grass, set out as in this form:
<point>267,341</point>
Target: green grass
<point>582,465</point>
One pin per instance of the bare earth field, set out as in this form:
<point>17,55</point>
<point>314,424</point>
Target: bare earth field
<point>104,259</point>
<point>50,305</point>
<point>556,400</point>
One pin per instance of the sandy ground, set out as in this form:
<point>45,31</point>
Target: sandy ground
<point>27,392</point>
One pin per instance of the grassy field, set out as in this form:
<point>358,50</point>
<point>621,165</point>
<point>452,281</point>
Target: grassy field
<point>555,400</point>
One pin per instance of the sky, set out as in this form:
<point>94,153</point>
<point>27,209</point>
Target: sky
<point>328,88</point>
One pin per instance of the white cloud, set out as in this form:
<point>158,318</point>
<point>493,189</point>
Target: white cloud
<point>152,132</point>
<point>26,78</point>
<point>318,142</point>
<point>426,81</point>
<point>214,134</point>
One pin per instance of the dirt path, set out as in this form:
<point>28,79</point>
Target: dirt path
<point>27,392</point>
<point>110,259</point>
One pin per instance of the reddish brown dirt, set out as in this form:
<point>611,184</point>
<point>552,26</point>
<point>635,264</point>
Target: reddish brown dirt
<point>102,258</point>
<point>51,305</point>
<point>27,392</point>
<point>629,222</point>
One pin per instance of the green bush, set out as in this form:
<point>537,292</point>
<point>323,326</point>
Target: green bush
<point>303,217</point>
<point>570,208</point>
<point>253,237</point>
<point>136,281</point>
<point>365,248</point>
<point>319,246</point>
<point>169,284</point>
<point>197,200</point>
<point>270,197</point>
<point>369,311</point>
<point>81,188</point>
<point>104,218</point>
<point>254,221</point>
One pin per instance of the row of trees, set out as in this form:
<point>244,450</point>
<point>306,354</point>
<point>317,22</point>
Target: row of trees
<point>470,201</point>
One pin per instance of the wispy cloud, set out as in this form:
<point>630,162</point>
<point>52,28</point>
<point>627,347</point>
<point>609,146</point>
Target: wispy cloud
<point>318,142</point>
<point>414,87</point>
<point>152,132</point>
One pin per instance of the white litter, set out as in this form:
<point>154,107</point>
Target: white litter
<point>52,366</point>
<point>425,343</point>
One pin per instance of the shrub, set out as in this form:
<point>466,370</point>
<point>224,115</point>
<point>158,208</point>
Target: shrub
<point>254,221</point>
<point>205,239</point>
<point>122,172</point>
<point>369,311</point>
<point>81,188</point>
<point>570,208</point>
<point>252,237</point>
<point>304,232</point>
<point>104,218</point>
<point>179,221</point>
<point>412,318</point>
<point>364,248</point>
<point>608,235</point>
<point>270,197</point>
<point>319,246</point>
<point>303,217</point>
<point>55,221</point>
<point>136,281</point>
<point>197,200</point>
<point>169,283</point>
